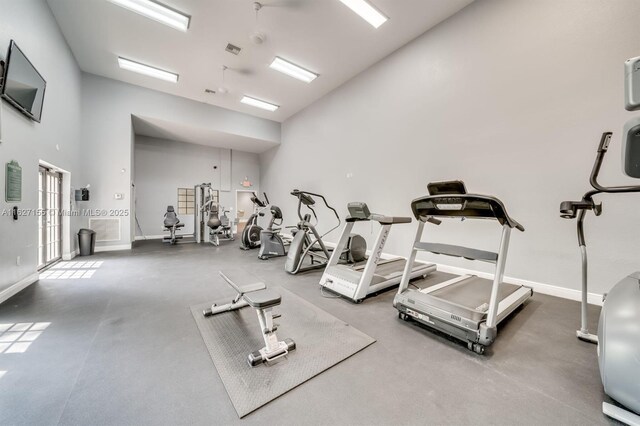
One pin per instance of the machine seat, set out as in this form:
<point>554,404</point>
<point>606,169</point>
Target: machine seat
<point>263,298</point>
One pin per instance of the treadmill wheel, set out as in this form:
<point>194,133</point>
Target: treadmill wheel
<point>478,348</point>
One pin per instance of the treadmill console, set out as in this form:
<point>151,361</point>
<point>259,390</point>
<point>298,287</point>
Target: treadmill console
<point>632,84</point>
<point>304,198</point>
<point>447,187</point>
<point>450,203</point>
<point>359,211</point>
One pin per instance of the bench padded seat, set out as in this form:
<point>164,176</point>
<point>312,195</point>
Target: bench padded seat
<point>263,298</point>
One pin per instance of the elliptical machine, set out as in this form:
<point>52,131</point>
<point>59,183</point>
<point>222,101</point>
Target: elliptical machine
<point>271,242</point>
<point>303,245</point>
<point>250,238</point>
<point>618,336</point>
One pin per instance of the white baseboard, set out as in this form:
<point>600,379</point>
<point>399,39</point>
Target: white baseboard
<point>542,288</point>
<point>150,237</point>
<point>113,248</point>
<point>69,256</point>
<point>19,286</point>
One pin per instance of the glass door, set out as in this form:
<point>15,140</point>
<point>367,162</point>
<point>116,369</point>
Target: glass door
<point>49,223</point>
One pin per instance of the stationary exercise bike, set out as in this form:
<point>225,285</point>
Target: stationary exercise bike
<point>304,245</point>
<point>618,336</point>
<point>272,244</point>
<point>250,238</point>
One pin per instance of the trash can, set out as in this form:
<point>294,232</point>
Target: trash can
<point>87,241</point>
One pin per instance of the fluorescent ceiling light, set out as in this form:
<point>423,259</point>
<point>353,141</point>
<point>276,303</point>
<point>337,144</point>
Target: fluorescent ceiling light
<point>258,103</point>
<point>292,70</point>
<point>366,11</point>
<point>127,64</point>
<point>157,12</point>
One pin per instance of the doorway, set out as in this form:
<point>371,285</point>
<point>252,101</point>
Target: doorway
<point>49,217</point>
<point>244,208</point>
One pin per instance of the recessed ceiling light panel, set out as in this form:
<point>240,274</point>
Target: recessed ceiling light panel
<point>157,12</point>
<point>258,103</point>
<point>127,64</point>
<point>367,11</point>
<point>293,70</point>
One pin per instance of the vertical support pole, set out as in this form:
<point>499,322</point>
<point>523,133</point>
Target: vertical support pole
<point>265,317</point>
<point>342,242</point>
<point>498,276</point>
<point>372,263</point>
<point>406,275</point>
<point>584,327</point>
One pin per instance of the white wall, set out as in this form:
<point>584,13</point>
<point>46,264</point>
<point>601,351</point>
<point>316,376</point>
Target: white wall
<point>509,96</point>
<point>162,166</point>
<point>108,137</point>
<point>31,24</point>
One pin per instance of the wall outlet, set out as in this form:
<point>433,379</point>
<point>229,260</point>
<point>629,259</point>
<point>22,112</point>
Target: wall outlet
<point>118,196</point>
<point>18,261</point>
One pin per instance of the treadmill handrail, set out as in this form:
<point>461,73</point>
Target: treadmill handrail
<point>472,206</point>
<point>381,219</point>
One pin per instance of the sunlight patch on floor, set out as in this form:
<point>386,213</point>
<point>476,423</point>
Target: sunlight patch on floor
<point>17,337</point>
<point>71,270</point>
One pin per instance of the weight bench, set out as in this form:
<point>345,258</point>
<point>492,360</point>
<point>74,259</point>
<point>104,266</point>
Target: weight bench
<point>263,300</point>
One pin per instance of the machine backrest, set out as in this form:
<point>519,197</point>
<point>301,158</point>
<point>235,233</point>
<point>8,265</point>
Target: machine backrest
<point>214,219</point>
<point>224,221</point>
<point>276,212</point>
<point>631,148</point>
<point>170,217</point>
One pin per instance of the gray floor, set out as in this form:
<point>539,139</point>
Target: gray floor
<point>123,349</point>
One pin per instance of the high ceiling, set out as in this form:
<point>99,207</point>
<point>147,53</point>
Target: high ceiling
<point>323,36</point>
<point>161,129</point>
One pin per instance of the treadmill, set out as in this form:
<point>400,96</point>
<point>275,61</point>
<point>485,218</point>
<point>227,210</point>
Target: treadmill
<point>357,282</point>
<point>467,307</point>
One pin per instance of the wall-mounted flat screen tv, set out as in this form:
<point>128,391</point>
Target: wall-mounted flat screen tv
<point>22,85</point>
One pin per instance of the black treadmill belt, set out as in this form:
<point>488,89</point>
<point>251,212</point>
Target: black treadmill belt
<point>391,267</point>
<point>473,292</point>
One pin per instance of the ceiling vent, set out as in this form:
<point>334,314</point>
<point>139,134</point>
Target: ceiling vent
<point>232,49</point>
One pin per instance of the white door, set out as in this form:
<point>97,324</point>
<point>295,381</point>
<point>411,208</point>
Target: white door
<point>49,220</point>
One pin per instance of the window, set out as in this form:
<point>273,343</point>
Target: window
<point>186,201</point>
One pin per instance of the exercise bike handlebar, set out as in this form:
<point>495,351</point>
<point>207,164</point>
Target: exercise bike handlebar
<point>593,180</point>
<point>571,209</point>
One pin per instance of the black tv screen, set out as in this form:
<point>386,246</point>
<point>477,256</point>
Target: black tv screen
<point>22,85</point>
